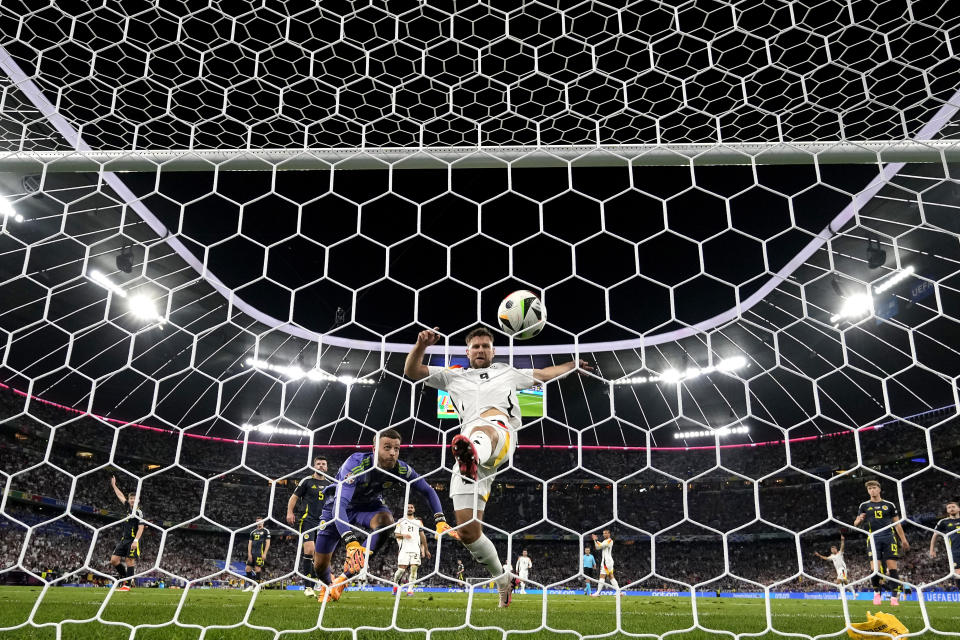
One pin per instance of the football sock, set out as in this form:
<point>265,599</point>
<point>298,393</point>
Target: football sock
<point>485,553</point>
<point>122,570</point>
<point>324,575</point>
<point>614,583</point>
<point>896,587</point>
<point>600,586</point>
<point>875,581</point>
<point>306,568</point>
<point>251,575</point>
<point>483,445</point>
<point>398,576</point>
<point>413,575</point>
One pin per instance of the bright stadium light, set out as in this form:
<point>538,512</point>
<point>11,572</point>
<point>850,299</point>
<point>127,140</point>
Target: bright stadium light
<point>7,211</point>
<point>144,308</point>
<point>894,279</point>
<point>732,364</point>
<point>105,282</point>
<point>672,375</point>
<point>270,429</point>
<point>710,433</point>
<point>856,306</point>
<point>315,375</point>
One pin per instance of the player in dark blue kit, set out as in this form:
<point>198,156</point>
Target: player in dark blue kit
<point>257,548</point>
<point>310,491</point>
<point>356,499</point>
<point>949,529</point>
<point>125,554</point>
<point>881,518</point>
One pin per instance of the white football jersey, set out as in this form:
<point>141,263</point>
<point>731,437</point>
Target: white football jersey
<point>838,562</point>
<point>411,527</point>
<point>606,553</point>
<point>473,391</point>
<point>523,564</point>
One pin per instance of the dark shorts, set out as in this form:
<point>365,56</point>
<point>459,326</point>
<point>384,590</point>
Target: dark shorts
<point>308,531</point>
<point>328,537</point>
<point>590,572</point>
<point>887,549</point>
<point>257,562</point>
<point>124,550</point>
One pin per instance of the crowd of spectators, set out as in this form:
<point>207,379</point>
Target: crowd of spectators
<point>196,493</point>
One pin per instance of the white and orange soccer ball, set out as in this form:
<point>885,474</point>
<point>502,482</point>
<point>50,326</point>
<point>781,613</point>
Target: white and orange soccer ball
<point>522,315</point>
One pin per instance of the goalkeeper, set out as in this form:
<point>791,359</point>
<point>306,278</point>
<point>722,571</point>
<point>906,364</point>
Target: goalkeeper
<point>356,499</point>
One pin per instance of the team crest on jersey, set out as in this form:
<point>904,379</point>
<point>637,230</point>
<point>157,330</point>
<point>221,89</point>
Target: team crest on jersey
<point>350,480</point>
<point>484,376</point>
<point>884,507</point>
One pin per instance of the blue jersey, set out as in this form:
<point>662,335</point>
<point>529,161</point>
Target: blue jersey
<point>360,486</point>
<point>589,562</point>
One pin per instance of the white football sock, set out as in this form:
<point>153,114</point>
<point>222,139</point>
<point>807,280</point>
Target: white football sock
<point>485,553</point>
<point>483,445</point>
<point>614,583</point>
<point>398,576</point>
<point>413,576</point>
<point>600,586</point>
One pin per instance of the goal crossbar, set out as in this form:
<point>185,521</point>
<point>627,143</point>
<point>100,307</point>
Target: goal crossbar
<point>753,153</point>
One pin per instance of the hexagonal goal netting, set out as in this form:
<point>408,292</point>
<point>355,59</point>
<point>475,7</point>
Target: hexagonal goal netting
<point>225,225</point>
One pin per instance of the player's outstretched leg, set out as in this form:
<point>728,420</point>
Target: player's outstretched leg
<point>466,456</point>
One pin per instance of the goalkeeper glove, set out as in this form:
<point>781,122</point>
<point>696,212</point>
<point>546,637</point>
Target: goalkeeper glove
<point>443,527</point>
<point>879,623</point>
<point>356,554</point>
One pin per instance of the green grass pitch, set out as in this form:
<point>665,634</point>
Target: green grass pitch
<point>299,616</point>
<point>530,406</point>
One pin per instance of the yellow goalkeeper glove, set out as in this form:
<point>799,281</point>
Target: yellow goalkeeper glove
<point>879,623</point>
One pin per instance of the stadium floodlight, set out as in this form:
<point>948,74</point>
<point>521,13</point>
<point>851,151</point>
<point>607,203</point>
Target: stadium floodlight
<point>270,429</point>
<point>7,211</point>
<point>856,306</point>
<point>710,433</point>
<point>102,280</point>
<point>315,375</point>
<point>672,375</point>
<point>144,308</point>
<point>894,279</point>
<point>732,363</point>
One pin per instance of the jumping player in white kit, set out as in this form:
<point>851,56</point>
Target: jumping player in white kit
<point>485,396</point>
<point>836,557</point>
<point>413,546</point>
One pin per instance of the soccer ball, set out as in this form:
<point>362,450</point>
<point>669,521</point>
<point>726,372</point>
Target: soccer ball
<point>522,315</point>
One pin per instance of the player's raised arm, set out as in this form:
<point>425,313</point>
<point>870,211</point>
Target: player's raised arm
<point>843,541</point>
<point>413,367</point>
<point>116,489</point>
<point>549,373</point>
<point>817,553</point>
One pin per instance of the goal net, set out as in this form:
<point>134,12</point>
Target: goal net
<point>223,226</point>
